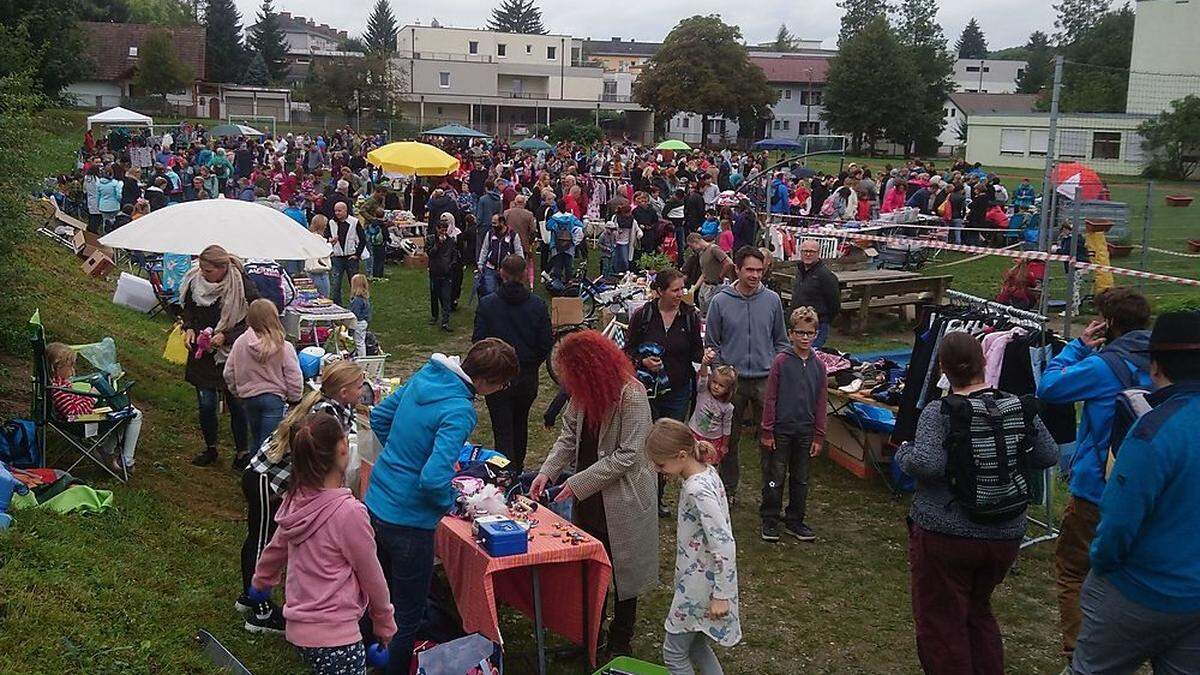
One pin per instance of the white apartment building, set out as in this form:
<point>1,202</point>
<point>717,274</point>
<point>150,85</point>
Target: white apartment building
<point>1165,64</point>
<point>987,76</point>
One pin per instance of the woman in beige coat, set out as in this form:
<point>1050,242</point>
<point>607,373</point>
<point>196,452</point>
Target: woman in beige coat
<point>603,430</point>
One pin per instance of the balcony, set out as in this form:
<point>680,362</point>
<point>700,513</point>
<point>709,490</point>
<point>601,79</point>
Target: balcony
<point>446,56</point>
<point>616,98</point>
<point>530,95</point>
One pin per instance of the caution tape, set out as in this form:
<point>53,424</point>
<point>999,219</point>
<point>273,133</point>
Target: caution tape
<point>985,250</point>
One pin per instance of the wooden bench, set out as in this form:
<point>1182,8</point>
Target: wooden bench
<point>899,294</point>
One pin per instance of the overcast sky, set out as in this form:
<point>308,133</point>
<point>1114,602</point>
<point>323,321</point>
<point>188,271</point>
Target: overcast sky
<point>1005,24</point>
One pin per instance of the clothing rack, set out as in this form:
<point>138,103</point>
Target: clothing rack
<point>958,297</point>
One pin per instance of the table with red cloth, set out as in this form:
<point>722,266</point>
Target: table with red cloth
<point>574,576</point>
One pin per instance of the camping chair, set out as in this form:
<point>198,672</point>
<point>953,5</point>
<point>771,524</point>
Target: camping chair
<point>86,437</point>
<point>166,299</point>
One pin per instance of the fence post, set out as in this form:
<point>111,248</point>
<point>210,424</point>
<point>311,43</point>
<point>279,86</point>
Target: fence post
<point>1146,231</point>
<point>1072,271</point>
<point>1051,144</point>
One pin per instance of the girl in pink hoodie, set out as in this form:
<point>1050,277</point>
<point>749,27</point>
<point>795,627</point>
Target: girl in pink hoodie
<point>325,539</point>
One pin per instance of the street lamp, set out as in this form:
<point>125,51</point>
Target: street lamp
<point>808,106</point>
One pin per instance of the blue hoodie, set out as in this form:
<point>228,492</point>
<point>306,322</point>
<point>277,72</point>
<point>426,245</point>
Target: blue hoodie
<point>747,331</point>
<point>1146,542</point>
<point>779,196</point>
<point>422,426</point>
<point>1079,373</point>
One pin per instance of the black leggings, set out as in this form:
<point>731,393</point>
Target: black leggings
<point>261,506</point>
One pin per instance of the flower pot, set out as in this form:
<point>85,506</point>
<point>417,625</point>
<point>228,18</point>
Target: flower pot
<point>1179,200</point>
<point>1194,245</point>
<point>1119,250</point>
<point>1098,224</point>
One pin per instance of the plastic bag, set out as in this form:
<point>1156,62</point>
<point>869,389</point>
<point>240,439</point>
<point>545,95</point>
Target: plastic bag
<point>102,355</point>
<point>176,349</point>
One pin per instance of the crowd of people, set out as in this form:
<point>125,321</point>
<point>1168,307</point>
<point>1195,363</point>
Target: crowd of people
<point>1128,580</point>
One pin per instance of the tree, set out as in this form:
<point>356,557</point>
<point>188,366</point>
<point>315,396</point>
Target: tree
<point>1075,17</point>
<point>971,44</point>
<point>331,85</point>
<point>702,67</point>
<point>1039,67</point>
<point>859,13</point>
<point>784,40</point>
<point>921,37</point>
<point>104,11</point>
<point>159,70</point>
<point>1172,137</point>
<point>381,29</point>
<point>1096,79</point>
<point>162,12</point>
<point>869,85</point>
<point>517,16</point>
<point>266,40</point>
<point>43,39</point>
<point>352,45</point>
<point>257,73</point>
<point>226,57</point>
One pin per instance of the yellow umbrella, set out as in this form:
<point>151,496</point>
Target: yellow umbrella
<point>412,158</point>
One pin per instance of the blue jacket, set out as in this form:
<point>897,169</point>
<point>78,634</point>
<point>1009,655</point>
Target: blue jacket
<point>422,427</point>
<point>1146,542</point>
<point>1080,374</point>
<point>779,196</point>
<point>108,194</point>
<point>1025,195</point>
<point>710,228</point>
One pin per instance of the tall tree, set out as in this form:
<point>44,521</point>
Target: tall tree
<point>1096,79</point>
<point>1075,17</point>
<point>784,40</point>
<point>869,85</point>
<point>702,67</point>
<point>857,14</point>
<point>160,71</point>
<point>381,29</point>
<point>971,44</point>
<point>42,38</point>
<point>1172,137</point>
<point>257,73</point>
<point>267,40</point>
<point>223,50</point>
<point>104,11</point>
<point>331,85</point>
<point>921,37</point>
<point>1039,67</point>
<point>517,16</point>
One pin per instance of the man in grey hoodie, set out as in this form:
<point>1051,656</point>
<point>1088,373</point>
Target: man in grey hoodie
<point>745,327</point>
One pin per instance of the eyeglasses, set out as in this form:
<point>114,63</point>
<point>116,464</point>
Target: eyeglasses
<point>804,333</point>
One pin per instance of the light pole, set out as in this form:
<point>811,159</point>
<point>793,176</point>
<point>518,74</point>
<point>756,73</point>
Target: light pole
<point>808,98</point>
<point>358,110</point>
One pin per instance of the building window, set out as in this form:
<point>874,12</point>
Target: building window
<point>610,88</point>
<point>501,49</point>
<point>776,125</point>
<point>528,49</point>
<point>551,53</point>
<point>787,125</point>
<point>444,80</point>
<point>439,110</point>
<point>951,112</point>
<point>972,91</point>
<point>133,52</point>
<point>972,69</point>
<point>473,47</point>
<point>987,69</point>
<point>815,97</point>
<point>787,93</point>
<point>1013,142</point>
<point>1072,143</point>
<point>1106,145</point>
<point>1038,139</point>
<point>1020,73</point>
<point>686,122</point>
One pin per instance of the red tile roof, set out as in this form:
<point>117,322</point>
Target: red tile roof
<point>792,68</point>
<point>107,46</point>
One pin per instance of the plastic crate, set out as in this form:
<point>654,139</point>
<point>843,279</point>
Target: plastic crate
<point>627,665</point>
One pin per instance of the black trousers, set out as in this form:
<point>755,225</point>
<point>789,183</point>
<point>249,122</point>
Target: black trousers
<point>624,616</point>
<point>441,298</point>
<point>261,506</point>
<point>456,282</point>
<point>509,411</point>
<point>786,465</point>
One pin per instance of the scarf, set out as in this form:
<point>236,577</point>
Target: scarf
<point>230,292</point>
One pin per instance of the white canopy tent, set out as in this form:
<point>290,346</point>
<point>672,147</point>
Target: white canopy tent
<point>120,117</point>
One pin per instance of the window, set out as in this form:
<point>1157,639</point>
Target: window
<point>444,80</point>
<point>776,125</point>
<point>972,69</point>
<point>972,91</point>
<point>610,87</point>
<point>951,112</point>
<point>501,49</point>
<point>787,125</point>
<point>987,69</point>
<point>815,97</point>
<point>1106,145</point>
<point>686,122</point>
<point>1072,143</point>
<point>1020,73</point>
<point>810,128</point>
<point>473,47</point>
<point>1038,139</point>
<point>779,93</point>
<point>1013,142</point>
<point>551,53</point>
<point>528,49</point>
<point>133,52</point>
<point>787,93</point>
<point>439,110</point>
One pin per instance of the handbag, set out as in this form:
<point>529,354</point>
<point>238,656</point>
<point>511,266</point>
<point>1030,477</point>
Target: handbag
<point>176,349</point>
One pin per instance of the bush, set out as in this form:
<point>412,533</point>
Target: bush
<point>568,129</point>
<point>654,262</point>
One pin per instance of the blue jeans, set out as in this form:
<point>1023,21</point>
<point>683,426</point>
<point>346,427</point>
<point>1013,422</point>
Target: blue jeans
<point>489,282</point>
<point>378,258</point>
<point>681,234</point>
<point>263,414</point>
<point>208,400</point>
<point>674,405</point>
<point>562,266</point>
<point>340,266</point>
<point>406,556</point>
<point>822,335</point>
<point>321,281</point>
<point>956,230</point>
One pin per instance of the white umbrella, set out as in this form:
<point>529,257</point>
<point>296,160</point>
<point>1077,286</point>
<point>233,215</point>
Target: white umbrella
<point>245,229</point>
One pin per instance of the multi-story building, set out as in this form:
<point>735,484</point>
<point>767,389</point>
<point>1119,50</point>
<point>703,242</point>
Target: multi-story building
<point>987,76</point>
<point>309,42</point>
<point>619,56</point>
<point>1165,63</point>
<point>503,83</point>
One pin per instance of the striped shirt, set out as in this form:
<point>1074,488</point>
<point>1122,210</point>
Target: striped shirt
<point>69,404</point>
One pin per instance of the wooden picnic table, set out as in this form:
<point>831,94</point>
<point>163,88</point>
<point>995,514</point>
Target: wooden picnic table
<point>866,290</point>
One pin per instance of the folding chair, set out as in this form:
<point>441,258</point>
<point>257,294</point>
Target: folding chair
<point>110,427</point>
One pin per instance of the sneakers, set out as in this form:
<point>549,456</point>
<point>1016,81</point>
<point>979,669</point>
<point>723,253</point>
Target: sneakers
<point>446,328</point>
<point>265,618</point>
<point>205,458</point>
<point>770,532</point>
<point>801,532</point>
<point>433,321</point>
<point>243,604</point>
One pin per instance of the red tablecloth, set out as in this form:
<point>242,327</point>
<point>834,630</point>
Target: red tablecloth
<point>480,581</point>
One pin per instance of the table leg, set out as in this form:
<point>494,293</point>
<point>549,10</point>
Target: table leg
<point>538,631</point>
<point>587,611</point>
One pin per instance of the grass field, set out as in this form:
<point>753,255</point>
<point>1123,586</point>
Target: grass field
<point>123,592</point>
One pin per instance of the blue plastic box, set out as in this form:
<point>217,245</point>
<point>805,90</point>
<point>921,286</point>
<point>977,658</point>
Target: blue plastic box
<point>503,537</point>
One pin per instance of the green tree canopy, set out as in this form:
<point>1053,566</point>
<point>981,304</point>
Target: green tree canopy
<point>267,40</point>
<point>104,11</point>
<point>517,16</point>
<point>226,57</point>
<point>162,12</point>
<point>784,40</point>
<point>918,32</point>
<point>856,14</point>
<point>257,72</point>
<point>1096,79</point>
<point>1076,17</point>
<point>331,85</point>
<point>381,29</point>
<point>1172,139</point>
<point>703,68</point>
<point>1039,68</point>
<point>159,70</point>
<point>42,37</point>
<point>971,44</point>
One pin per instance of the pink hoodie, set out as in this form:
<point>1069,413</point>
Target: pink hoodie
<point>247,376</point>
<point>325,538</point>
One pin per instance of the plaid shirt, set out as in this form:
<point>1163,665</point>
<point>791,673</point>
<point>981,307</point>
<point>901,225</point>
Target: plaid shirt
<point>279,472</point>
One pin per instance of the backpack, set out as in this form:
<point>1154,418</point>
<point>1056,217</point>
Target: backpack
<point>829,208</point>
<point>1131,404</point>
<point>18,444</point>
<point>987,446</point>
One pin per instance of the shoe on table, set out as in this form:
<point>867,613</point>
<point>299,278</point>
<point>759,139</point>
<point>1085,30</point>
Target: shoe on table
<point>770,532</point>
<point>205,458</point>
<point>265,618</point>
<point>801,532</point>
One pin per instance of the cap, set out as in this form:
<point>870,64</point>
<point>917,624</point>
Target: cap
<point>1176,332</point>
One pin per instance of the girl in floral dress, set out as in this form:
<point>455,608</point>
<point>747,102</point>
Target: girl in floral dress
<point>705,606</point>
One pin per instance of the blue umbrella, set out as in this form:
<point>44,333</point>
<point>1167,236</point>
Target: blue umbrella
<point>785,144</point>
<point>456,130</point>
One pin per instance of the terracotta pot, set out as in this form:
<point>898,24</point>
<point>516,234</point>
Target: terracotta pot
<point>1194,245</point>
<point>1179,200</point>
<point>1119,250</point>
<point>1098,224</point>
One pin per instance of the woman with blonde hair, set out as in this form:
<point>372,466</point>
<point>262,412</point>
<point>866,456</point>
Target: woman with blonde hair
<point>263,371</point>
<point>317,269</point>
<point>216,296</point>
<point>265,480</point>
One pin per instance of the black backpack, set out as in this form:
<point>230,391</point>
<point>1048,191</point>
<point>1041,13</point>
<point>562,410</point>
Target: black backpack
<point>1131,404</point>
<point>987,449</point>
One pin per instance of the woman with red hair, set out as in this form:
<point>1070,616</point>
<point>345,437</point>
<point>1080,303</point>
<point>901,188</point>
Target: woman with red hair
<point>603,430</point>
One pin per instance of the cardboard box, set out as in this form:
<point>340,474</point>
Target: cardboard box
<point>416,260</point>
<point>87,243</point>
<point>97,264</point>
<point>566,311</point>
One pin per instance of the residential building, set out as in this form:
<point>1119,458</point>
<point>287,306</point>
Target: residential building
<point>959,107</point>
<point>619,56</point>
<point>113,50</point>
<point>504,83</point>
<point>987,76</point>
<point>1109,143</point>
<point>308,43</point>
<point>1165,63</point>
